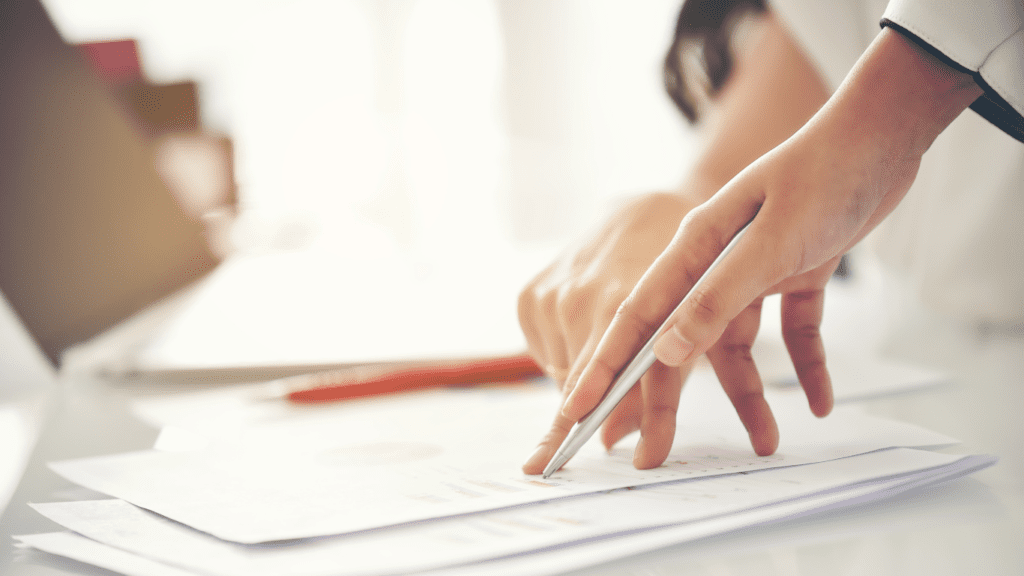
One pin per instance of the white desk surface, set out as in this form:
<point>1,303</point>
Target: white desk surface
<point>973,526</point>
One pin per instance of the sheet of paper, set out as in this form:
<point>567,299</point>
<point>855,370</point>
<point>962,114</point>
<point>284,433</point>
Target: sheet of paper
<point>70,545</point>
<point>563,559</point>
<point>685,510</point>
<point>15,450</point>
<point>482,536</point>
<point>367,465</point>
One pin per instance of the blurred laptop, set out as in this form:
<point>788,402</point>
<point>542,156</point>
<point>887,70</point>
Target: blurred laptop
<point>89,233</point>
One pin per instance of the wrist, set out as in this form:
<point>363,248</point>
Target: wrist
<point>900,98</point>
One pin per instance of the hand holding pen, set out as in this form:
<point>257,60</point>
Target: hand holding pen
<point>807,202</point>
<point>674,315</point>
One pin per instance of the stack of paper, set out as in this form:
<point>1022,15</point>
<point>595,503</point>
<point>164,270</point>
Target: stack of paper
<point>341,490</point>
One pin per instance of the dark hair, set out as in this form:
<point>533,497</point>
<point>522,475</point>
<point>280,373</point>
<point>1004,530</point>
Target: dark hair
<point>706,27</point>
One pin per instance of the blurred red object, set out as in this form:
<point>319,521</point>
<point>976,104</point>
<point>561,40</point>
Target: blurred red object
<point>116,61</point>
<point>345,384</point>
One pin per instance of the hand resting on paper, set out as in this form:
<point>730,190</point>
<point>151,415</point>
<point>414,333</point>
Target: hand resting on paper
<point>808,200</point>
<point>567,308</point>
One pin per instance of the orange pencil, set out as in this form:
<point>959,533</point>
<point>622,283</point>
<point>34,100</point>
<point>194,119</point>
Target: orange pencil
<point>356,383</point>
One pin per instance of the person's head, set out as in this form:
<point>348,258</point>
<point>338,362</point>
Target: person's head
<point>700,57</point>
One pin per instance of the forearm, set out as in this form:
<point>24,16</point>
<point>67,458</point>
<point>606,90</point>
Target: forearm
<point>893,104</point>
<point>772,92</point>
<point>899,98</point>
<point>884,116</point>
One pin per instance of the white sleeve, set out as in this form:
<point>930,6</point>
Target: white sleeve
<point>985,38</point>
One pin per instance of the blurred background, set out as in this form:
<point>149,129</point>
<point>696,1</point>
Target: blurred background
<point>326,182</point>
<point>413,125</point>
<point>422,159</point>
<point>296,177</point>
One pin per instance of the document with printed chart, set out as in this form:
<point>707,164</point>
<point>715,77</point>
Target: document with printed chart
<point>561,532</point>
<point>426,456</point>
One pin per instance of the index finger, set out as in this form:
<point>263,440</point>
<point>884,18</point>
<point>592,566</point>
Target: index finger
<point>671,278</point>
<point>548,445</point>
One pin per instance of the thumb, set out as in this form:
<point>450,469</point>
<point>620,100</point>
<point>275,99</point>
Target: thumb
<point>730,266</point>
<point>701,239</point>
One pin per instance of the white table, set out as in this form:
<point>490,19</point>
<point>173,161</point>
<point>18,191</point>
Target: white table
<point>971,526</point>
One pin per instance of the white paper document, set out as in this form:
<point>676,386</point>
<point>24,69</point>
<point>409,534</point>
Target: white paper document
<point>427,456</point>
<point>665,513</point>
<point>70,545</point>
<point>561,559</point>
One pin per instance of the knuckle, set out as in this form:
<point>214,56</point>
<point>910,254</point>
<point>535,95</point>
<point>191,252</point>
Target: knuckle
<point>784,265</point>
<point>603,368</point>
<point>611,309</point>
<point>661,414</point>
<point>756,306</point>
<point>704,305</point>
<point>747,401</point>
<point>526,303</point>
<point>698,217</point>
<point>802,296</point>
<point>736,351</point>
<point>812,366</point>
<point>691,275</point>
<point>559,430</point>
<point>627,316</point>
<point>558,375</point>
<point>614,290</point>
<point>525,297</point>
<point>701,229</point>
<point>804,332</point>
<point>548,304</point>
<point>783,256</point>
<point>572,303</point>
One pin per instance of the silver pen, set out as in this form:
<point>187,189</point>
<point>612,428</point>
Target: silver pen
<point>644,359</point>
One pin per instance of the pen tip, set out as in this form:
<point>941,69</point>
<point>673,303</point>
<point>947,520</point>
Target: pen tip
<point>552,467</point>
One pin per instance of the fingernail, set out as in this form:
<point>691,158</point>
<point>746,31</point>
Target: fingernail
<point>671,348</point>
<point>638,453</point>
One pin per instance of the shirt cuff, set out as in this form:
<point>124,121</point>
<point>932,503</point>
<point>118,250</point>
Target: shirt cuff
<point>985,40</point>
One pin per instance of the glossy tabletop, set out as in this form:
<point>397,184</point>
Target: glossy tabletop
<point>973,525</point>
